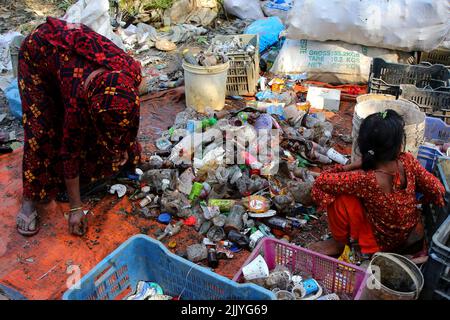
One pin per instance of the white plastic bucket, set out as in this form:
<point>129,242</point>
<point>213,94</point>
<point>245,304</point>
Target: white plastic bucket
<point>205,87</point>
<point>414,121</point>
<point>374,96</point>
<point>394,277</point>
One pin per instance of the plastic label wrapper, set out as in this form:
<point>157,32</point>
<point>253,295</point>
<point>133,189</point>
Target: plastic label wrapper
<point>224,205</point>
<point>257,204</point>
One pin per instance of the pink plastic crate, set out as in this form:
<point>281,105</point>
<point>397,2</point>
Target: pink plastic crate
<point>335,275</point>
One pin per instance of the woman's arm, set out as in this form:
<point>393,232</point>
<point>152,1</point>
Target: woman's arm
<point>77,219</point>
<point>331,184</point>
<point>428,184</point>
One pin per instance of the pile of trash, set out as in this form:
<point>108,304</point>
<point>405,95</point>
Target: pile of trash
<point>236,176</point>
<point>206,59</point>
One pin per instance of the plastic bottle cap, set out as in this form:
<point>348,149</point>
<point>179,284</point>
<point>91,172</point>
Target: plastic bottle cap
<point>234,248</point>
<point>172,244</point>
<point>164,218</point>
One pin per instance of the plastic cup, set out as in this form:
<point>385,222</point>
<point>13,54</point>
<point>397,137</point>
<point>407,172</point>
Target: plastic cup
<point>284,295</point>
<point>256,269</point>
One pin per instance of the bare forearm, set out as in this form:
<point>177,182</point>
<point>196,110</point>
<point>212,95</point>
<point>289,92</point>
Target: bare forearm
<point>73,191</point>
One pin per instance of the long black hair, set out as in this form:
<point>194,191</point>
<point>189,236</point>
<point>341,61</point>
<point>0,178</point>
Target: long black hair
<point>380,139</point>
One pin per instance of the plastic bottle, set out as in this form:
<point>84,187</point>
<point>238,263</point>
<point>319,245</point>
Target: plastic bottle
<point>146,200</point>
<point>255,238</point>
<point>223,204</point>
<point>265,229</point>
<point>234,218</point>
<point>310,121</point>
<point>197,252</point>
<point>184,150</point>
<point>171,230</point>
<point>208,122</point>
<point>282,223</point>
<point>336,156</point>
<point>239,239</point>
<point>163,144</point>
<point>215,233</point>
<point>190,58</point>
<point>213,262</point>
<point>318,157</point>
<point>355,252</point>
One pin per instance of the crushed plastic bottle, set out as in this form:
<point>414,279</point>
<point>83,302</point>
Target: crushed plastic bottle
<point>197,252</point>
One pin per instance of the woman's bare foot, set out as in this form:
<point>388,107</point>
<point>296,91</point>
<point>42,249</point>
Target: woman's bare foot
<point>27,219</point>
<point>328,247</point>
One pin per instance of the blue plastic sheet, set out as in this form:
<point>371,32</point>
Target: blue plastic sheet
<point>13,97</point>
<point>268,30</point>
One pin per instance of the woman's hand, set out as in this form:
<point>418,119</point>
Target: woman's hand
<point>353,166</point>
<point>122,159</point>
<point>77,223</point>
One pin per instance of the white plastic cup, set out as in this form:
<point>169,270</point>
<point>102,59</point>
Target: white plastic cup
<point>284,295</point>
<point>256,269</point>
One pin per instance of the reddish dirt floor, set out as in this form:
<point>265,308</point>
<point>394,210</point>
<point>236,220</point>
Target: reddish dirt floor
<point>36,267</point>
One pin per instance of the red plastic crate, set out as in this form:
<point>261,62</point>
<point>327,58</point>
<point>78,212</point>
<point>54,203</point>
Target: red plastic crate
<point>335,275</point>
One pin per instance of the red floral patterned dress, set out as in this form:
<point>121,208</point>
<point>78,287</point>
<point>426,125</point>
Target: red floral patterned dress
<point>392,216</point>
<point>71,130</point>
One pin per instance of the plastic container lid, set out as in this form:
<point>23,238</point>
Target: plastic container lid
<point>234,248</point>
<point>268,213</point>
<point>164,218</point>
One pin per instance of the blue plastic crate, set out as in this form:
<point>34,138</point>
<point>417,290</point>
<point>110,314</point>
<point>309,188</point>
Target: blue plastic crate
<point>143,258</point>
<point>436,271</point>
<point>428,156</point>
<point>435,216</point>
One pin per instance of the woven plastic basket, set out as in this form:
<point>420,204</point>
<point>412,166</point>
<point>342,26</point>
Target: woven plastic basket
<point>335,275</point>
<point>142,258</point>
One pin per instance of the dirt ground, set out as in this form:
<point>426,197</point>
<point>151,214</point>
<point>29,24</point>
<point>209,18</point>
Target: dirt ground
<point>14,14</point>
<point>22,15</point>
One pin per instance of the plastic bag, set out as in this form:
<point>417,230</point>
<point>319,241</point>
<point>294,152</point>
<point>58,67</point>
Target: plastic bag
<point>244,9</point>
<point>268,30</point>
<point>406,25</point>
<point>5,57</point>
<point>196,12</point>
<point>13,97</point>
<point>331,61</point>
<point>277,8</point>
<point>94,14</point>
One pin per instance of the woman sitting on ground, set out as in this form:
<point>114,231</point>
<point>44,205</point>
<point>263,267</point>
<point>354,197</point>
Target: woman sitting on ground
<point>373,201</point>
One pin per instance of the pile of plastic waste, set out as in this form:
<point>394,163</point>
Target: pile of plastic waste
<point>236,176</point>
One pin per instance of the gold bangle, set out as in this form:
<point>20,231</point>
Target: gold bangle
<point>76,209</point>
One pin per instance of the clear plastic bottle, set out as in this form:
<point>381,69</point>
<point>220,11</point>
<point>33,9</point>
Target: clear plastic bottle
<point>190,58</point>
